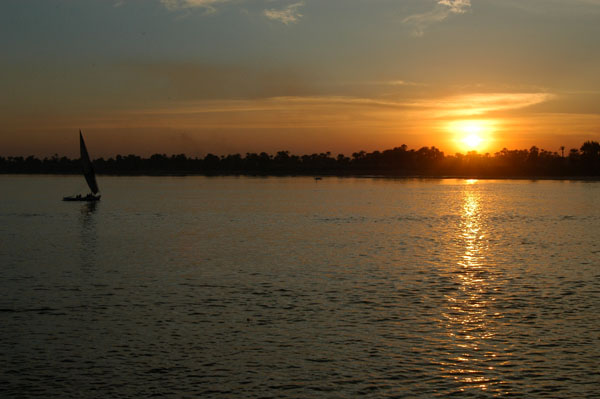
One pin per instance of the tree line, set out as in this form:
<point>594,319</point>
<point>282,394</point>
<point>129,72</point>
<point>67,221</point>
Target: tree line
<point>399,161</point>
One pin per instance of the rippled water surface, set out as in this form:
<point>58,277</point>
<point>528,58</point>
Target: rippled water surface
<point>291,287</point>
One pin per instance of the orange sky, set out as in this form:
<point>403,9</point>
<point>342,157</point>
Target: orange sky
<point>222,77</point>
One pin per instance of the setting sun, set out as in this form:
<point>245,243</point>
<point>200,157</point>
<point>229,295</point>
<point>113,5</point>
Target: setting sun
<point>471,135</point>
<point>472,141</point>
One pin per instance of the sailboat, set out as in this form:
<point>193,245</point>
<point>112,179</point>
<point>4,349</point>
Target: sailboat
<point>88,173</point>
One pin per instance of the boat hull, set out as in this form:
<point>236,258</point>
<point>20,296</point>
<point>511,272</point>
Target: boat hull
<point>79,198</point>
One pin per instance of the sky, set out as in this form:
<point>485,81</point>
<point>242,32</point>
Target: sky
<point>237,76</point>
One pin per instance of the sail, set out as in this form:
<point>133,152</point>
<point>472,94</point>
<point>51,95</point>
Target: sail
<point>88,169</point>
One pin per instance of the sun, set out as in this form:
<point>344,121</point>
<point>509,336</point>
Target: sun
<point>471,135</point>
<point>472,141</point>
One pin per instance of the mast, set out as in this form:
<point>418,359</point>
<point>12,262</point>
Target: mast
<point>88,169</point>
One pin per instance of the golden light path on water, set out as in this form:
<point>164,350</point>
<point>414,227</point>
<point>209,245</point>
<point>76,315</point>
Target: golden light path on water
<point>469,317</point>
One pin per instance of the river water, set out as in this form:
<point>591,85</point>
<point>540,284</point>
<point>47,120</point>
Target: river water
<point>297,288</point>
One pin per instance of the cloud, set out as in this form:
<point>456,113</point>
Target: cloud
<point>481,103</point>
<point>442,10</point>
<point>287,15</point>
<point>402,83</point>
<point>208,5</point>
<point>355,108</point>
<point>456,6</point>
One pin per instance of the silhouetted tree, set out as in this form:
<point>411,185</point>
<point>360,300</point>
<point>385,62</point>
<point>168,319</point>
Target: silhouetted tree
<point>590,150</point>
<point>398,161</point>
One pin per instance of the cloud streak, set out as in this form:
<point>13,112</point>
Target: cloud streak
<point>475,104</point>
<point>481,103</point>
<point>340,123</point>
<point>287,15</point>
<point>442,10</point>
<point>208,5</point>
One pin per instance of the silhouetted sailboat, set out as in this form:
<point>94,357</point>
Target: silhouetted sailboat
<point>88,173</point>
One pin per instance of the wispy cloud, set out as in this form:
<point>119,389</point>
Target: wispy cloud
<point>442,10</point>
<point>456,6</point>
<point>481,103</point>
<point>378,83</point>
<point>287,15</point>
<point>208,5</point>
<point>445,107</point>
<point>402,83</point>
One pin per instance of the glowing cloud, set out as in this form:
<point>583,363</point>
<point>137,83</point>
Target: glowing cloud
<point>443,10</point>
<point>481,103</point>
<point>456,6</point>
<point>287,15</point>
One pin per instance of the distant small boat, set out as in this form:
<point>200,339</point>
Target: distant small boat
<point>88,173</point>
<point>318,178</point>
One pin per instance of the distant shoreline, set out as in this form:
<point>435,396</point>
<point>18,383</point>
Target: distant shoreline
<point>323,175</point>
<point>399,162</point>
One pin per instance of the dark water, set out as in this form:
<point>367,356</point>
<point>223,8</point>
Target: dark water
<point>289,287</point>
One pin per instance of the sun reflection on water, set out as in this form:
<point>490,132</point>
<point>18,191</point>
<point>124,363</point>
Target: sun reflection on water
<point>468,315</point>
